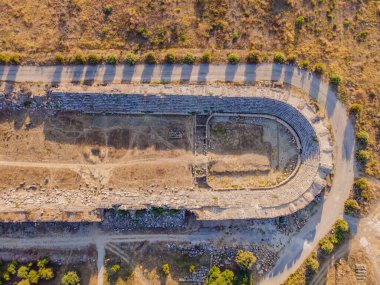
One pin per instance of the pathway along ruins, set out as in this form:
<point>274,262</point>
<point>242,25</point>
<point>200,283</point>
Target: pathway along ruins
<point>303,243</point>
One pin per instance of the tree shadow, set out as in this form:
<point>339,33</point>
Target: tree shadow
<point>250,73</point>
<point>166,72</point>
<point>230,72</point>
<point>128,71</point>
<point>276,71</point>
<point>146,76</point>
<point>77,74</point>
<point>187,69</point>
<point>203,72</point>
<point>57,74</point>
<point>109,74</point>
<point>89,76</point>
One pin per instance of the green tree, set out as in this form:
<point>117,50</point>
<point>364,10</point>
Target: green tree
<point>279,57</point>
<point>206,57</point>
<point>192,268</point>
<point>131,58</point>
<point>166,269</point>
<point>78,58</point>
<point>319,68</point>
<point>300,21</point>
<point>4,59</point>
<point>253,57</point>
<point>11,268</point>
<point>115,268</point>
<point>46,273</point>
<point>33,276</point>
<point>216,277</point>
<point>233,58</point>
<point>361,184</point>
<point>292,59</point>
<point>245,259</point>
<point>189,58</point>
<point>70,278</point>
<point>305,64</point>
<point>150,58</point>
<point>335,79</point>
<point>58,58</point>
<point>351,206</point>
<point>362,138</point>
<point>312,264</point>
<point>15,59</point>
<point>356,109</point>
<point>112,59</point>
<point>42,262</point>
<point>23,272</point>
<point>363,156</point>
<point>326,245</point>
<point>24,282</point>
<point>170,58</point>
<point>94,59</point>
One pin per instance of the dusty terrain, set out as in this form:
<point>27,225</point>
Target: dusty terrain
<point>249,152</point>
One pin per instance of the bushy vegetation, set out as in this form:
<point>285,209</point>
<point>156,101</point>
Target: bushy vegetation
<point>245,259</point>
<point>15,59</point>
<point>233,58</point>
<point>131,59</point>
<point>279,58</point>
<point>189,58</point>
<point>70,278</point>
<point>300,21</point>
<point>335,79</point>
<point>362,138</point>
<point>94,59</point>
<point>218,277</point>
<point>312,264</point>
<point>326,245</point>
<point>356,109</point>
<point>165,269</point>
<point>253,57</point>
<point>351,207</point>
<point>150,58</point>
<point>170,58</point>
<point>112,59</point>
<point>206,57</point>
<point>305,64</point>
<point>78,58</point>
<point>363,156</point>
<point>319,68</point>
<point>291,59</point>
<point>59,58</point>
<point>4,59</point>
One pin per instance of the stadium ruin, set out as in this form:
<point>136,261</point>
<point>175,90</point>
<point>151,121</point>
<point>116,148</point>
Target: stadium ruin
<point>219,157</point>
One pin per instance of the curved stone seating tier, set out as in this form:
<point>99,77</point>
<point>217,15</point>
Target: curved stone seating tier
<point>316,157</point>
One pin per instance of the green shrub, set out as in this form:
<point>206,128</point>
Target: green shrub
<point>15,59</point>
<point>300,21</point>
<point>23,272</point>
<point>363,156</point>
<point>107,10</point>
<point>215,276</point>
<point>372,94</point>
<point>362,138</point>
<point>115,268</point>
<point>346,23</point>
<point>253,57</point>
<point>365,195</point>
<point>94,59</point>
<point>170,58</point>
<point>279,57</point>
<point>33,276</point>
<point>335,79</point>
<point>356,109</point>
<point>189,58</point>
<point>78,58</point>
<point>4,59</point>
<point>291,59</point>
<point>150,58</point>
<point>233,58</point>
<point>245,259</point>
<point>166,269</point>
<point>46,273</point>
<point>326,245</point>
<point>24,282</point>
<point>131,58</point>
<point>70,278</point>
<point>58,58</point>
<point>112,59</point>
<point>312,264</point>
<point>206,57</point>
<point>235,36</point>
<point>362,36</point>
<point>341,229</point>
<point>305,64</point>
<point>361,184</point>
<point>319,68</point>
<point>6,276</point>
<point>351,206</point>
<point>192,268</point>
<point>11,268</point>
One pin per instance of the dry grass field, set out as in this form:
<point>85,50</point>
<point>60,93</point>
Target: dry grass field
<point>342,35</point>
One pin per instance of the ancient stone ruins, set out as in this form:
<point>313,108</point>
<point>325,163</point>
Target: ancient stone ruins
<point>72,155</point>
